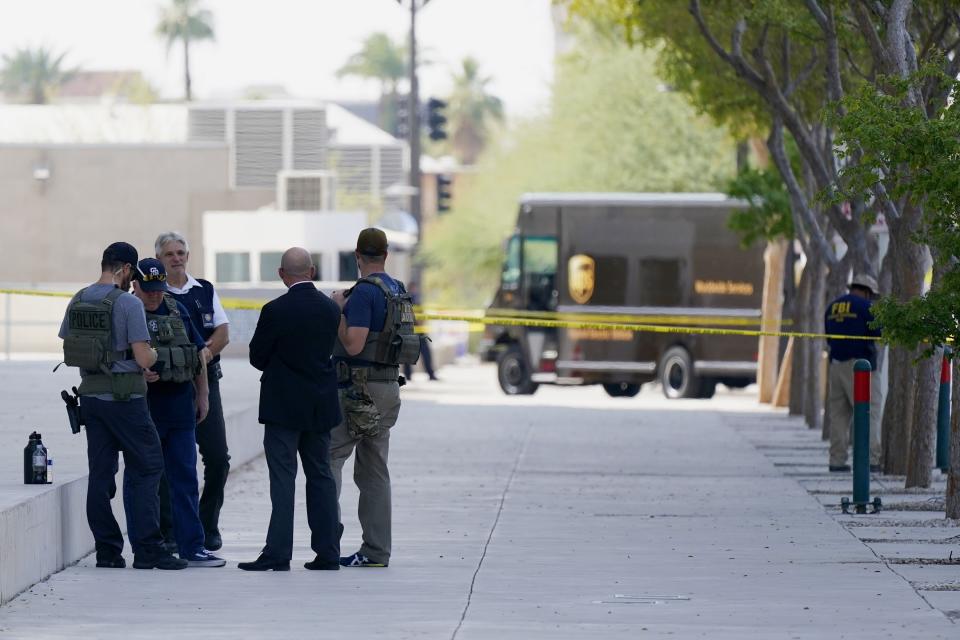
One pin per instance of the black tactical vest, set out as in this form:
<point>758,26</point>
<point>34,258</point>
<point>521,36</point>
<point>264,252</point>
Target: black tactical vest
<point>398,343</point>
<point>168,335</point>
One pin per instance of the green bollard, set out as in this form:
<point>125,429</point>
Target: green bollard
<point>861,435</point>
<point>943,414</point>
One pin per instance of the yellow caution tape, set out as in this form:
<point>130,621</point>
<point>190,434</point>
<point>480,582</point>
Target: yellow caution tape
<point>546,320</point>
<point>644,328</point>
<point>30,292</point>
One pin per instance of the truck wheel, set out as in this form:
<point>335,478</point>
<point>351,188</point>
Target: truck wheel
<point>676,374</point>
<point>621,389</point>
<point>513,374</point>
<point>708,387</point>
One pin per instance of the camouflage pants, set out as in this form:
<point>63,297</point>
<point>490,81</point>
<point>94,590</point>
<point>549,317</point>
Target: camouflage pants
<point>370,470</point>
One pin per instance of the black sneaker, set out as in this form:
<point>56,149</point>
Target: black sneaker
<point>158,560</point>
<point>213,541</point>
<point>110,561</point>
<point>318,564</point>
<point>875,468</point>
<point>170,546</point>
<point>839,468</point>
<point>360,560</point>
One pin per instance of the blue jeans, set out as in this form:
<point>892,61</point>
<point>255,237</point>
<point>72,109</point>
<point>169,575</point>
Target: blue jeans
<point>180,464</point>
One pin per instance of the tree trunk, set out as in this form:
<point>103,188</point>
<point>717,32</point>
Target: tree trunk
<point>769,347</point>
<point>898,411</point>
<point>798,377</point>
<point>186,69</point>
<point>906,271</point>
<point>813,403</point>
<point>953,479</point>
<point>924,434</point>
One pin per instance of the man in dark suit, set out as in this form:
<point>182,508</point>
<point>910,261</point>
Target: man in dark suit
<point>292,345</point>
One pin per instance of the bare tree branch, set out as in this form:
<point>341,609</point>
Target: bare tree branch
<point>804,219</point>
<point>869,31</point>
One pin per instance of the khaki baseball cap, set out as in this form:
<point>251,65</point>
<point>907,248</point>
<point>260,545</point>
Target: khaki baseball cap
<point>865,281</point>
<point>372,242</point>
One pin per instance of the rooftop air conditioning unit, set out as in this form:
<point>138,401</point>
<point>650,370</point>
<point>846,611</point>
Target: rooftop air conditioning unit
<point>306,191</point>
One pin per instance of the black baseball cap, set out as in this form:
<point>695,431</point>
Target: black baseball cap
<point>121,252</point>
<point>151,275</point>
<point>372,242</point>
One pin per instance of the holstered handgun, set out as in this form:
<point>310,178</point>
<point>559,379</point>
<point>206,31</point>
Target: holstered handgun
<point>73,409</point>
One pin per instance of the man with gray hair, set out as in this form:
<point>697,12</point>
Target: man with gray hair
<point>210,319</point>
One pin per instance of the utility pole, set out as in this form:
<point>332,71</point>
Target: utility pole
<point>413,109</point>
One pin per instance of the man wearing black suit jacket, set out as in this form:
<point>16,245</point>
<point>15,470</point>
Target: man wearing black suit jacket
<point>292,345</point>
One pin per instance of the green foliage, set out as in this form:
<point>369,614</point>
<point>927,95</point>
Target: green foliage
<point>185,20</point>
<point>767,216</point>
<point>379,58</point>
<point>471,111</point>
<point>385,61</point>
<point>612,126</point>
<point>914,158</point>
<point>33,75</point>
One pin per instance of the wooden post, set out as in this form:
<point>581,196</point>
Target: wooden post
<point>770,320</point>
<point>781,395</point>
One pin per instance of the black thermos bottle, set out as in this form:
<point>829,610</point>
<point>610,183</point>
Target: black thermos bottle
<point>35,461</point>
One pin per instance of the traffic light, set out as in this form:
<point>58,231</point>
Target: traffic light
<point>401,124</point>
<point>436,121</point>
<point>444,192</point>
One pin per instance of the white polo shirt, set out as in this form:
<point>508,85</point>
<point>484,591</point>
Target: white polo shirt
<point>219,315</point>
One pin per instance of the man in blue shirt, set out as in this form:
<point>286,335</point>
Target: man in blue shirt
<point>176,403</point>
<point>850,315</point>
<point>370,395</point>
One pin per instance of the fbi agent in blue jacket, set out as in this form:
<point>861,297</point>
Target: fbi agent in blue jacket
<point>850,315</point>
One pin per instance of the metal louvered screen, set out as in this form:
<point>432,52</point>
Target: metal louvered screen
<point>353,167</point>
<point>391,166</point>
<point>207,125</point>
<point>259,147</point>
<point>309,139</point>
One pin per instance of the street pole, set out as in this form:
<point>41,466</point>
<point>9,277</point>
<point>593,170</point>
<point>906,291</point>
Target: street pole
<point>413,109</point>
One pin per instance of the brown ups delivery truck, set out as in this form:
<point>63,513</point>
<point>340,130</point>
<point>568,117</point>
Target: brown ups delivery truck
<point>666,259</point>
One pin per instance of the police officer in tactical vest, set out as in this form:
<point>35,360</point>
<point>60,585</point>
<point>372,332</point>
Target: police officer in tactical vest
<point>105,334</point>
<point>210,319</point>
<point>850,315</point>
<point>376,336</point>
<point>177,398</point>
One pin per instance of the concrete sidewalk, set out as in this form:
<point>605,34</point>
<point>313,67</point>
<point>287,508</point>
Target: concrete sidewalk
<point>43,527</point>
<point>567,514</point>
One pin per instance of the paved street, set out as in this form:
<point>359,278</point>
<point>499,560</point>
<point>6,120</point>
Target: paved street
<point>567,514</point>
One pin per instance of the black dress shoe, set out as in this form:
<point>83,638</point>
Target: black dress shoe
<point>322,565</point>
<point>213,541</point>
<point>265,563</point>
<point>110,561</point>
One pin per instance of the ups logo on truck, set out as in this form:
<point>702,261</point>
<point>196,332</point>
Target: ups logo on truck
<point>581,277</point>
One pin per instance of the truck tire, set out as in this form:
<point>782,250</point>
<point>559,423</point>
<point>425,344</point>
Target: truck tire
<point>513,373</point>
<point>708,387</point>
<point>676,374</point>
<point>621,389</point>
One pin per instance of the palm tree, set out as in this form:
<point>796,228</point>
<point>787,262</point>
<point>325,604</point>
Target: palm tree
<point>471,111</point>
<point>186,21</point>
<point>381,59</point>
<point>33,75</point>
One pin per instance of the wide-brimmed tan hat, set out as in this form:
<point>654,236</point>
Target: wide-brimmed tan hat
<point>866,281</point>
